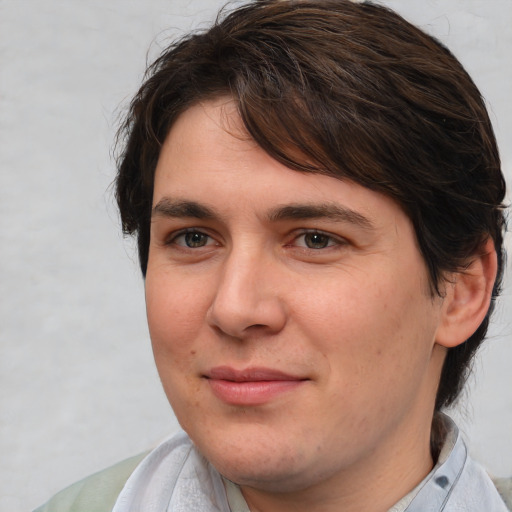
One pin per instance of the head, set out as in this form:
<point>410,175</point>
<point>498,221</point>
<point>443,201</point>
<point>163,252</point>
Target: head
<point>337,231</point>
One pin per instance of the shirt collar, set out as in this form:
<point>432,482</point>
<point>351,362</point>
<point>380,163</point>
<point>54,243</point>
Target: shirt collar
<point>433,491</point>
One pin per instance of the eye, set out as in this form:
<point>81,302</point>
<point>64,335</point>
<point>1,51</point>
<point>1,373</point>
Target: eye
<point>192,239</point>
<point>316,240</point>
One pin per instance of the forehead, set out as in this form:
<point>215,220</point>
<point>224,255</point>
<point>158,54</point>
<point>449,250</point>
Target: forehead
<point>208,142</point>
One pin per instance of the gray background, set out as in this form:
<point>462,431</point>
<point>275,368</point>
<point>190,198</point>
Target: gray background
<point>78,390</point>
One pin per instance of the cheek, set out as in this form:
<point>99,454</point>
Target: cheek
<point>175,319</point>
<point>175,316</point>
<point>371,334</point>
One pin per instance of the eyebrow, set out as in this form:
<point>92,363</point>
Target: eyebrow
<point>168,207</point>
<point>179,208</point>
<point>329,211</point>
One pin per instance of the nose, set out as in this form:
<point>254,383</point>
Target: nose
<point>247,301</point>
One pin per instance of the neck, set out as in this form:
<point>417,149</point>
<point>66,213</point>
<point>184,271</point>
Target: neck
<point>374,484</point>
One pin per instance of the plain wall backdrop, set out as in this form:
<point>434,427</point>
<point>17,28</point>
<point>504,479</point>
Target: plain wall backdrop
<point>78,388</point>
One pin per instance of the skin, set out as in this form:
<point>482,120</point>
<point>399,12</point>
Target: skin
<point>333,292</point>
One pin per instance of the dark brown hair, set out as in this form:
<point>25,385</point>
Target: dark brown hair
<point>346,89</point>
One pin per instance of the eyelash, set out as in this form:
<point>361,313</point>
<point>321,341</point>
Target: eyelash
<point>183,233</point>
<point>330,240</point>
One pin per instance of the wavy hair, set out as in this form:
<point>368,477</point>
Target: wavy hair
<point>346,89</point>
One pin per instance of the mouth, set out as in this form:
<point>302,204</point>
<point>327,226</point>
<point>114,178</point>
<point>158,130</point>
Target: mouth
<point>251,386</point>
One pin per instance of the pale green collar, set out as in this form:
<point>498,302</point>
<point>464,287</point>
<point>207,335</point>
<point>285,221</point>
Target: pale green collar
<point>235,498</point>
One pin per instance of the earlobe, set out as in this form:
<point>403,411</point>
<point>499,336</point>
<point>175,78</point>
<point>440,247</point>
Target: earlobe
<point>467,298</point>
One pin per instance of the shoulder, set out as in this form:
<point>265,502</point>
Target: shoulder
<point>504,486</point>
<point>475,490</point>
<point>96,493</point>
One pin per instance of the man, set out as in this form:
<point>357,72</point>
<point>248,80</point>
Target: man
<point>317,197</point>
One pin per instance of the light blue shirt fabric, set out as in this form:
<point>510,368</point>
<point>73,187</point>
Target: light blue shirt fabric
<point>455,484</point>
<point>175,477</point>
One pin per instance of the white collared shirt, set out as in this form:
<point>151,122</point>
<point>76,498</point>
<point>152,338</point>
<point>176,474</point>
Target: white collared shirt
<point>175,477</point>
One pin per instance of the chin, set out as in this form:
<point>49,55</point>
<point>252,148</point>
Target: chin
<point>270,479</point>
<point>271,468</point>
<point>275,478</point>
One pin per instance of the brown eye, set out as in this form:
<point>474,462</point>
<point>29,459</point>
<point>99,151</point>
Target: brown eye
<point>192,239</point>
<point>317,240</point>
<point>195,239</point>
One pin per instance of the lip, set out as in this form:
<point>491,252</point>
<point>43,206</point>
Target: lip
<point>250,386</point>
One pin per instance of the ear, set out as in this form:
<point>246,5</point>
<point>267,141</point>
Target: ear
<point>467,298</point>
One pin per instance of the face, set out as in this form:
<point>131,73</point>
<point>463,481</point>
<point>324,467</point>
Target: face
<point>290,313</point>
